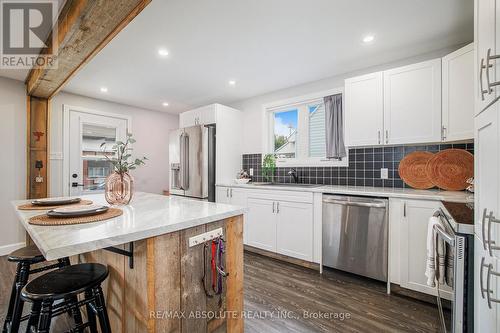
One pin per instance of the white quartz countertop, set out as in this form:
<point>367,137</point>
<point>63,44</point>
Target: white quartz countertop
<point>405,193</point>
<point>147,215</point>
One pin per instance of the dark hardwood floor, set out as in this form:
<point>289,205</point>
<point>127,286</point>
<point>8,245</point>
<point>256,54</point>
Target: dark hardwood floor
<point>281,297</point>
<point>357,304</point>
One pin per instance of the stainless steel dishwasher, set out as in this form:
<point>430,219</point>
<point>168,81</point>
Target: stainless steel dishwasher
<point>355,235</point>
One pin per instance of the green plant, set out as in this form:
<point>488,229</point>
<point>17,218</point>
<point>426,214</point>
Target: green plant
<point>268,166</point>
<point>122,152</point>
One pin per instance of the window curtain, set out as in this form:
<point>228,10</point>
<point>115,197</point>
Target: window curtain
<point>334,122</point>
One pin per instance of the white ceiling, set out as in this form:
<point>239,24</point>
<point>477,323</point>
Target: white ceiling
<point>265,45</point>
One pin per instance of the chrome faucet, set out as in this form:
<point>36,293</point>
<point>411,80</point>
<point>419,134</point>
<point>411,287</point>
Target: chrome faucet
<point>293,173</point>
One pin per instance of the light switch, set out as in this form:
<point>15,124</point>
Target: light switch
<point>251,172</point>
<point>384,173</point>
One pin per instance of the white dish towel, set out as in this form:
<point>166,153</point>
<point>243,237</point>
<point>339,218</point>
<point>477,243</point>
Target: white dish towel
<point>436,254</point>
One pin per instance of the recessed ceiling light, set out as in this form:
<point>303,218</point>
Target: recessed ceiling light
<point>368,39</point>
<point>104,89</point>
<point>163,52</point>
<point>232,82</point>
<point>164,104</point>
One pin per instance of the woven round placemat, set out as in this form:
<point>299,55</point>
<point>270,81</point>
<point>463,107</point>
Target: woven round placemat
<point>30,206</point>
<point>449,169</point>
<point>46,220</point>
<point>412,170</point>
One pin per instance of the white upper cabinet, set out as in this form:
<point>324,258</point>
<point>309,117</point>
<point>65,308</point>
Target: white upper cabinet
<point>484,37</point>
<point>412,103</point>
<point>458,94</point>
<point>364,110</point>
<point>200,116</point>
<point>229,139</point>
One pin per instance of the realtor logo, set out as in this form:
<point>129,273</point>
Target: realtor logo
<point>29,33</point>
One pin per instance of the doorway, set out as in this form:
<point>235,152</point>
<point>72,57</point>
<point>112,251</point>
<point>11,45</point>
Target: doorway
<point>88,141</point>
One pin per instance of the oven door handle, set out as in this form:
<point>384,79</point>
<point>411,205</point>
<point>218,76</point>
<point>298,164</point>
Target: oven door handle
<point>444,235</point>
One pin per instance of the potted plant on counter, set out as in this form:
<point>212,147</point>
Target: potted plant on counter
<point>268,167</point>
<point>119,185</point>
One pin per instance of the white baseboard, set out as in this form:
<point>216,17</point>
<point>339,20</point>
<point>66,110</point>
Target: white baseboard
<point>7,249</point>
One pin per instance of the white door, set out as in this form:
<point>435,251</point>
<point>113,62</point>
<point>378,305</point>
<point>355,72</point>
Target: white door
<point>88,166</point>
<point>261,220</point>
<point>412,103</point>
<point>485,318</point>
<point>364,110</point>
<point>413,245</point>
<point>486,166</point>
<point>484,36</point>
<point>458,94</point>
<point>295,230</point>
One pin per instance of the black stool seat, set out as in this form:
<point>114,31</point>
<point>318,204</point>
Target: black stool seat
<point>64,282</point>
<point>29,254</point>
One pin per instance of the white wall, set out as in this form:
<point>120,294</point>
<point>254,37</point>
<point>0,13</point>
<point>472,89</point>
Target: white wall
<point>13,161</point>
<point>150,129</point>
<point>252,108</point>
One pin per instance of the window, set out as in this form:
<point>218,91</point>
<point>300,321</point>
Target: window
<point>297,132</point>
<point>285,133</point>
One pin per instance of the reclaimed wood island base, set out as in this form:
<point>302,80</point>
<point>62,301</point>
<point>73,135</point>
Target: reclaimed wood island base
<point>163,291</point>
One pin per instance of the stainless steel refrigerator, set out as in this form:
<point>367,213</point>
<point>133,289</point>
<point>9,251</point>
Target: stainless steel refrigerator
<point>192,162</point>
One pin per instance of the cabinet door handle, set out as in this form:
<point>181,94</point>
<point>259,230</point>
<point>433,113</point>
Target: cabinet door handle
<point>404,209</point>
<point>491,242</point>
<point>481,69</point>
<point>483,229</point>
<point>488,66</point>
<point>379,137</point>
<point>227,192</point>
<point>231,193</point>
<point>443,133</point>
<point>273,206</point>
<point>488,285</point>
<point>386,136</point>
<point>278,207</point>
<point>481,269</point>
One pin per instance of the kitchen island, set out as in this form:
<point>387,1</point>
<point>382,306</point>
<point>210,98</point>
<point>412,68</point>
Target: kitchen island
<point>158,287</point>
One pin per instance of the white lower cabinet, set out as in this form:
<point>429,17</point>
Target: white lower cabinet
<point>261,224</point>
<point>412,223</point>
<point>294,229</point>
<point>282,227</point>
<point>486,318</point>
<point>276,221</point>
<point>233,196</point>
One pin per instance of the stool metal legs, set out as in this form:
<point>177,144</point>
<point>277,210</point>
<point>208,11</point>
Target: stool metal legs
<point>90,312</point>
<point>24,271</point>
<point>13,296</point>
<point>45,317</point>
<point>102,313</point>
<point>34,316</point>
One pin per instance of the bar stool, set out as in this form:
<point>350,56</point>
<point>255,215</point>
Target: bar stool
<point>67,283</point>
<point>24,257</point>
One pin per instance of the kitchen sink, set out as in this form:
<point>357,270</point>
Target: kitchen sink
<point>286,185</point>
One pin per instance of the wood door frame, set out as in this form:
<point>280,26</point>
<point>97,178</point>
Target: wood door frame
<point>65,137</point>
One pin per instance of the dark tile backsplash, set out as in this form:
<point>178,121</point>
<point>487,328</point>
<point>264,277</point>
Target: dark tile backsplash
<point>364,166</point>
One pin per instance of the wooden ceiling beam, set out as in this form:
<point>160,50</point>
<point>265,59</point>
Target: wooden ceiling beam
<point>84,28</point>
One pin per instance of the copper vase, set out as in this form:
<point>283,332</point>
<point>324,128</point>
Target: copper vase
<point>119,188</point>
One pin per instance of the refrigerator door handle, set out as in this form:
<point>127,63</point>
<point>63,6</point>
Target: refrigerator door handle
<point>184,161</point>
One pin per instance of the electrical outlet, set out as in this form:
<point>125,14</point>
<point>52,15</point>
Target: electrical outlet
<point>251,172</point>
<point>384,173</point>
